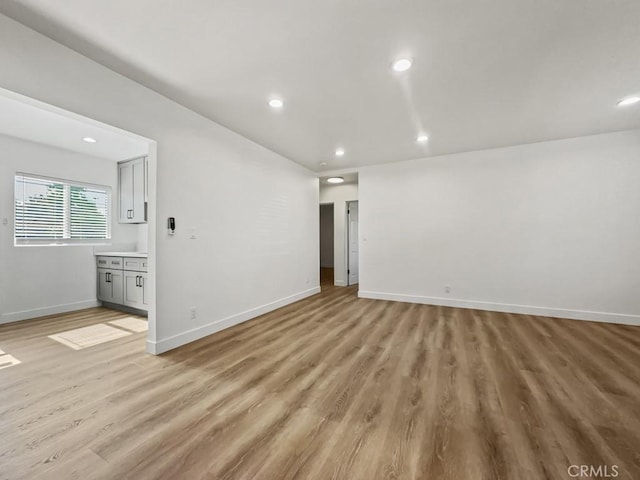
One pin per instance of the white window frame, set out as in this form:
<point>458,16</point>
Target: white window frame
<point>66,240</point>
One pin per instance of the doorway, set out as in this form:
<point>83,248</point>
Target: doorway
<point>338,195</point>
<point>56,150</point>
<point>327,257</point>
<point>353,261</point>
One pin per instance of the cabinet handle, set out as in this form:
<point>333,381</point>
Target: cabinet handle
<point>141,279</point>
<point>137,280</point>
<point>107,280</point>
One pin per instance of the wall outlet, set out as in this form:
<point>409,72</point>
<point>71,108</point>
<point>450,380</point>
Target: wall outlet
<point>193,313</point>
<point>447,289</point>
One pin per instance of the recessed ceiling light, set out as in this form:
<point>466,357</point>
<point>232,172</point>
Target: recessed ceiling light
<point>402,65</point>
<point>335,180</point>
<point>340,152</point>
<point>628,101</point>
<point>323,164</point>
<point>422,138</point>
<point>89,140</point>
<point>276,103</point>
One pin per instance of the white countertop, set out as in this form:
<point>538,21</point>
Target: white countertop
<point>121,254</point>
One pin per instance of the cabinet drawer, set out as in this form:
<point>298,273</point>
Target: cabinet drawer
<point>103,262</point>
<point>115,262</point>
<point>135,264</point>
<point>110,262</point>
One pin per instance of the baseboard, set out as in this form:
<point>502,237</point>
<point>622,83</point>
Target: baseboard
<point>607,317</point>
<point>44,311</point>
<point>340,283</point>
<point>192,335</point>
<point>126,309</point>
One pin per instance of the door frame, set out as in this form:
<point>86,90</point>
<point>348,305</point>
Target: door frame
<point>152,169</point>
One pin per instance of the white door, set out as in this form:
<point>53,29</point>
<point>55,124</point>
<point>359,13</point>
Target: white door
<point>352,219</point>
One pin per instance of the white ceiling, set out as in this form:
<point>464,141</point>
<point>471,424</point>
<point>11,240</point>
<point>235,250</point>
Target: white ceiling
<point>486,74</point>
<point>37,124</point>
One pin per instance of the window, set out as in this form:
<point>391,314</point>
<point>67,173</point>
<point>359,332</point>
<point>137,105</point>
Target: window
<point>53,211</point>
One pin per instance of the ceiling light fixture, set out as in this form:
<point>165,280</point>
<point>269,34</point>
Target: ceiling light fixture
<point>89,140</point>
<point>335,180</point>
<point>340,152</point>
<point>422,138</point>
<point>323,164</point>
<point>402,65</point>
<point>628,101</point>
<point>276,103</point>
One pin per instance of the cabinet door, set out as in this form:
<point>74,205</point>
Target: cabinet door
<point>104,287</point>
<point>146,179</point>
<point>115,279</point>
<point>139,214</point>
<point>145,292</point>
<point>125,192</point>
<point>132,289</point>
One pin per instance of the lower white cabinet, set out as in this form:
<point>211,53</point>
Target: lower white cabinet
<point>123,287</point>
<point>110,285</point>
<point>135,291</point>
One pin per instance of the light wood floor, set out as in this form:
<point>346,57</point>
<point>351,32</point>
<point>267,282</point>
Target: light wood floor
<point>333,387</point>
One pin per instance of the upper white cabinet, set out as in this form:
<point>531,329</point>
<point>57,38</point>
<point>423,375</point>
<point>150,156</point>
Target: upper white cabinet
<point>132,191</point>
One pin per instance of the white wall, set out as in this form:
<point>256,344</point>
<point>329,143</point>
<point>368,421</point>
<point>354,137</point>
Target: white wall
<point>550,228</point>
<point>339,195</point>
<point>255,213</point>
<point>41,280</point>
<point>326,236</point>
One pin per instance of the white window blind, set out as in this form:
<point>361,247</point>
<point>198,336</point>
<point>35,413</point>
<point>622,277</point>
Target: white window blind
<point>51,211</point>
